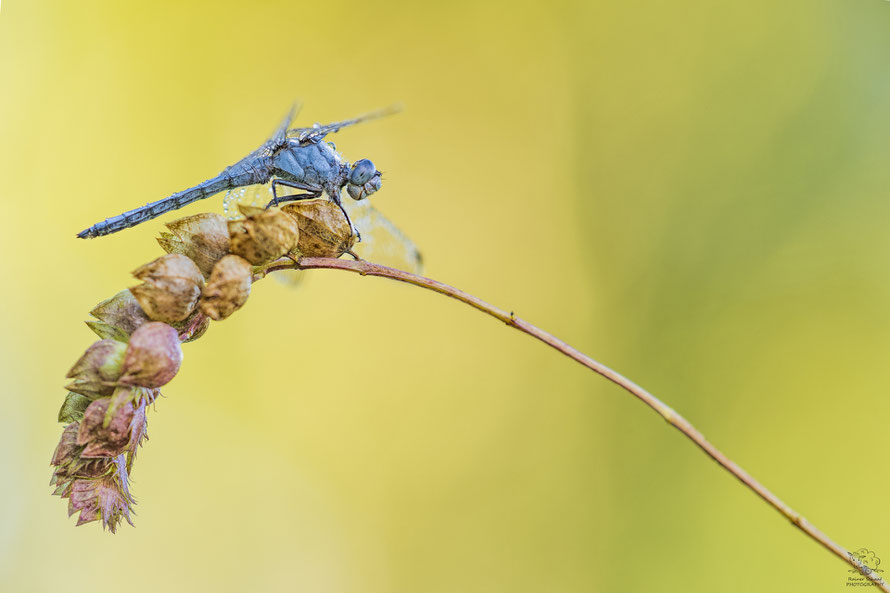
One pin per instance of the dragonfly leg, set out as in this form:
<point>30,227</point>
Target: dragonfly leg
<point>313,192</point>
<point>358,235</point>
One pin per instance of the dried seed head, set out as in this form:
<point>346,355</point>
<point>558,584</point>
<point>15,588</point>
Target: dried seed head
<point>138,433</point>
<point>324,231</point>
<point>105,428</point>
<point>153,356</point>
<point>73,407</point>
<point>70,470</point>
<point>70,466</point>
<point>193,327</point>
<point>67,447</point>
<point>105,498</point>
<point>228,287</point>
<point>204,238</point>
<point>263,235</point>
<point>171,287</point>
<point>96,372</point>
<point>118,316</point>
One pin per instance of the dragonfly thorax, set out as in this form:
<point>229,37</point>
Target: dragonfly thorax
<point>314,163</point>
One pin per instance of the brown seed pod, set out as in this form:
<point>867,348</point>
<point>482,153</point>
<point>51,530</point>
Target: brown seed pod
<point>104,499</point>
<point>263,235</point>
<point>70,465</point>
<point>105,428</point>
<point>153,356</point>
<point>67,448</point>
<point>171,287</point>
<point>118,316</point>
<point>324,231</point>
<point>204,238</point>
<point>73,407</point>
<point>228,287</point>
<point>192,327</point>
<point>96,372</point>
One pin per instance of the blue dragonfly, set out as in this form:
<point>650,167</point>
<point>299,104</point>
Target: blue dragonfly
<point>296,159</point>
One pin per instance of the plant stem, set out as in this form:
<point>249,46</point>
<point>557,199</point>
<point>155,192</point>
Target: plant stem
<point>676,420</point>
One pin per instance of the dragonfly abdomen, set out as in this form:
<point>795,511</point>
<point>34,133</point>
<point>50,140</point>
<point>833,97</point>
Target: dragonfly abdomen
<point>232,177</point>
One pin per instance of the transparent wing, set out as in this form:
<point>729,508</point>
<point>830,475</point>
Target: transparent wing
<point>252,195</point>
<point>280,134</point>
<point>382,241</point>
<point>319,131</point>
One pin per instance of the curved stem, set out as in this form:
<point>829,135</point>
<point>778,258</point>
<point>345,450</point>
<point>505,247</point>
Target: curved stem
<point>676,420</point>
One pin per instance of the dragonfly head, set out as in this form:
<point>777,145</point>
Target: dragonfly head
<point>363,179</point>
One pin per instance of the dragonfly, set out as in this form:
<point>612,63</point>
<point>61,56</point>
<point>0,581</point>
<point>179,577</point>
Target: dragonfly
<point>295,159</point>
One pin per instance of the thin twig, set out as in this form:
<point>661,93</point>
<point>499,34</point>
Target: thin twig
<point>369,269</point>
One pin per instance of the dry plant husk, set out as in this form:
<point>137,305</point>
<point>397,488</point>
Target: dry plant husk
<point>153,356</point>
<point>170,289</point>
<point>228,287</point>
<point>203,238</point>
<point>263,235</point>
<point>95,373</point>
<point>324,231</point>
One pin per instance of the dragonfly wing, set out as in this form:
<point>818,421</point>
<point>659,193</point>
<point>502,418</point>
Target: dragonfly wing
<point>251,195</point>
<point>280,135</point>
<point>382,241</point>
<point>318,131</point>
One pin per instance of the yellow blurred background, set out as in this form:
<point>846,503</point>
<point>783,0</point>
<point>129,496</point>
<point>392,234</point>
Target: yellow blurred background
<point>693,192</point>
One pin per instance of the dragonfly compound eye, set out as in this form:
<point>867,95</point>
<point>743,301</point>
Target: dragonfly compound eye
<point>362,172</point>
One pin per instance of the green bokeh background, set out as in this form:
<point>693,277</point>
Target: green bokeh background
<point>693,192</point>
